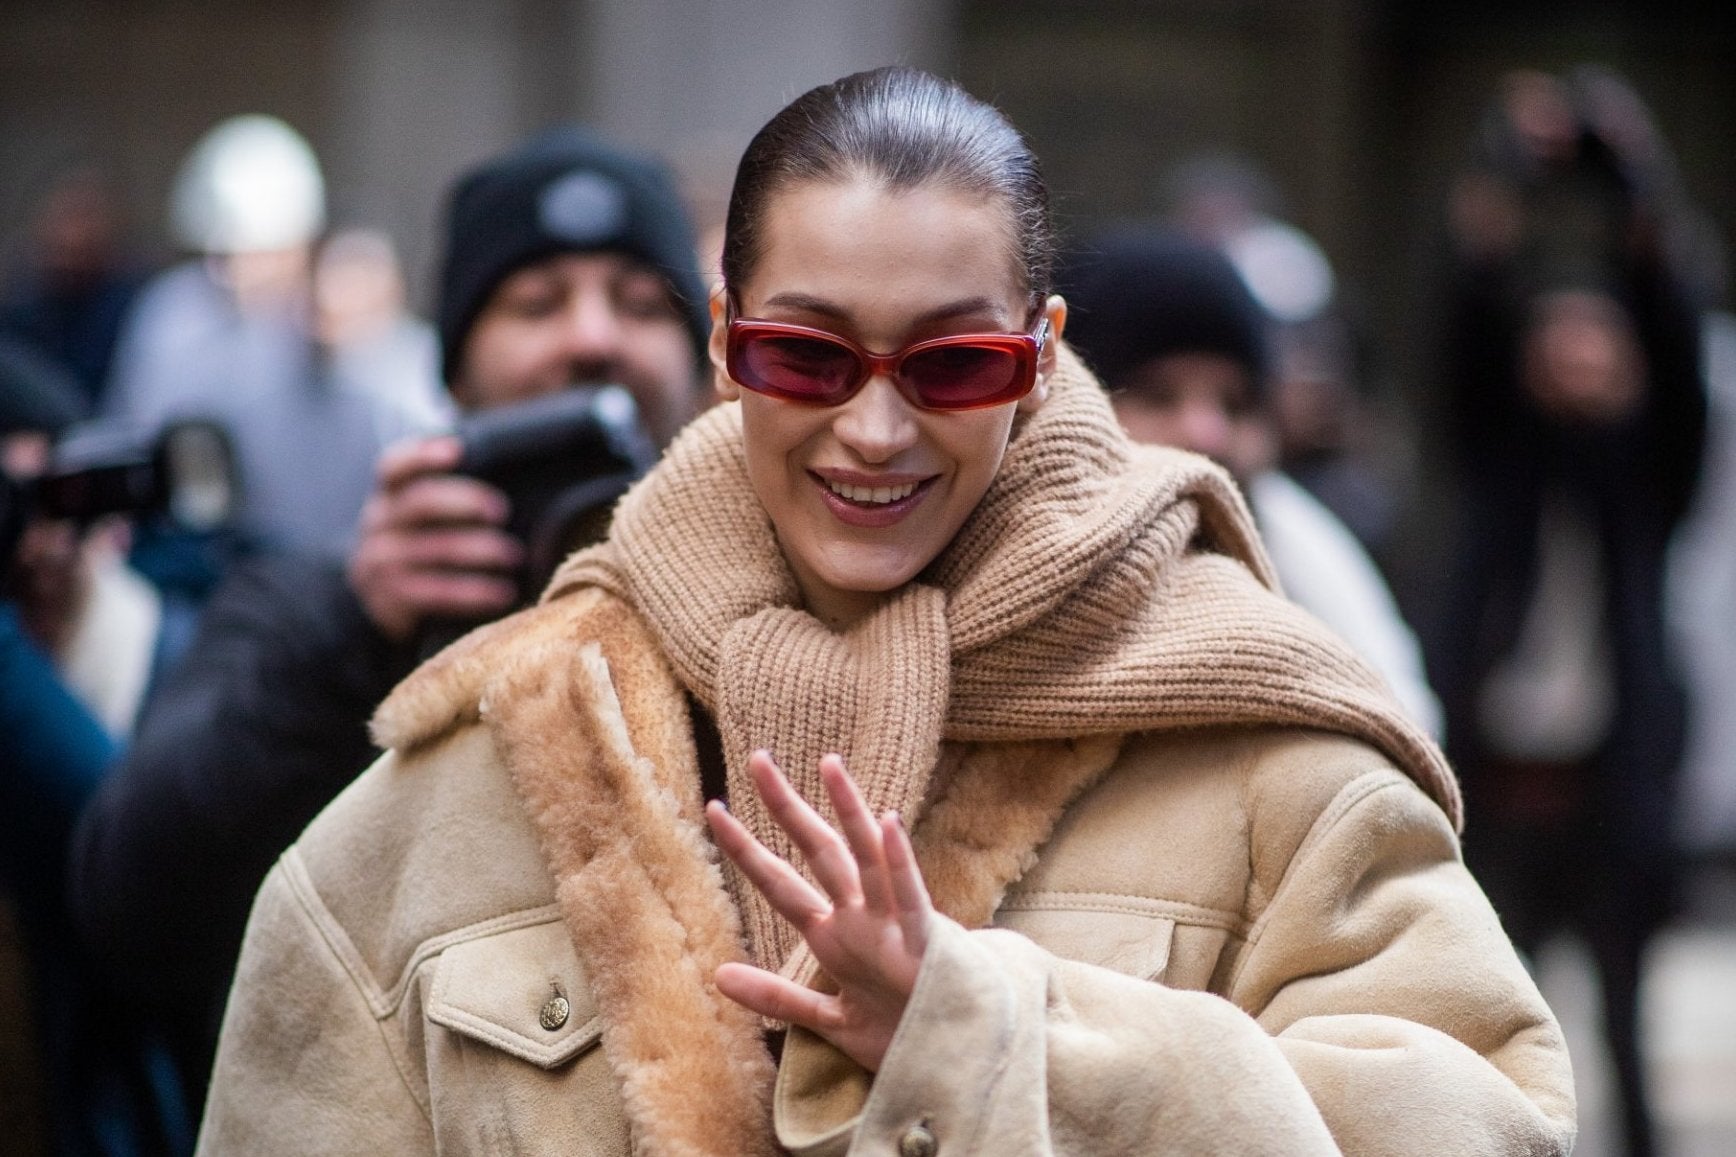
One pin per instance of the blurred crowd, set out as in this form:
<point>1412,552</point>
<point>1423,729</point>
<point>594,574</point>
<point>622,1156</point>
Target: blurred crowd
<point>232,516</point>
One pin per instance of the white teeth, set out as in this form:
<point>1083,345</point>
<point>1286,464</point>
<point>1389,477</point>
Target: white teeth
<point>877,495</point>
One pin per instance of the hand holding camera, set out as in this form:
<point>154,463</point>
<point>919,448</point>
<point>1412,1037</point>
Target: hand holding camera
<point>432,543</point>
<point>99,479</point>
<point>464,527</point>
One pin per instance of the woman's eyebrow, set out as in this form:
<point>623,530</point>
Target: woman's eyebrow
<point>808,303</point>
<point>795,299</point>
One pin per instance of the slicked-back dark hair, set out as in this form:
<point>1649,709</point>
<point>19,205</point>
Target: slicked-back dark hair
<point>905,128</point>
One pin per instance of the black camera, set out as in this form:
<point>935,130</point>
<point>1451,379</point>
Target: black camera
<point>184,473</point>
<point>562,461</point>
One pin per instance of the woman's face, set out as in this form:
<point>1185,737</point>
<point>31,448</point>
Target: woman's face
<point>865,494</point>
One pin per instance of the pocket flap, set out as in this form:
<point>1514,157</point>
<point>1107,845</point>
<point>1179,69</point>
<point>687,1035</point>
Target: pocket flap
<point>1130,942</point>
<point>507,989</point>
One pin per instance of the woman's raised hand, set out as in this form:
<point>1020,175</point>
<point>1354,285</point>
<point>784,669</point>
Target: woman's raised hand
<point>868,928</point>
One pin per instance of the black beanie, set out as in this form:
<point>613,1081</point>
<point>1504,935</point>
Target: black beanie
<point>1140,293</point>
<point>564,191</point>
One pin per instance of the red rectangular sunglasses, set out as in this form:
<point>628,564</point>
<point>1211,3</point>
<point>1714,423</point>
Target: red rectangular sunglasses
<point>817,368</point>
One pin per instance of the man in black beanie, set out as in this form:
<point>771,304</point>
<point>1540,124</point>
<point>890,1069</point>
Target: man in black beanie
<point>1182,344</point>
<point>1183,347</point>
<point>538,231</point>
<point>568,262</point>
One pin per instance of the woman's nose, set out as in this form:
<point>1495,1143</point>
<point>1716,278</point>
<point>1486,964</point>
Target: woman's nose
<point>878,422</point>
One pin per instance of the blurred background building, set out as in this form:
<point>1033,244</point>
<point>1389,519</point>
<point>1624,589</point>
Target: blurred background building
<point>1354,114</point>
<point>1357,109</point>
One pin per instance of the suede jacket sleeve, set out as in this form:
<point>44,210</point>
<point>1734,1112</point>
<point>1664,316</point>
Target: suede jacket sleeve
<point>336,1085</point>
<point>1376,1007</point>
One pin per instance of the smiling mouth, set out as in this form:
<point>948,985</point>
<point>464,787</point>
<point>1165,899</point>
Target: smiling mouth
<point>872,496</point>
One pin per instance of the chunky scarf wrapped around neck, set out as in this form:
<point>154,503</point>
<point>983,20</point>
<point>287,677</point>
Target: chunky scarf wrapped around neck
<point>1098,589</point>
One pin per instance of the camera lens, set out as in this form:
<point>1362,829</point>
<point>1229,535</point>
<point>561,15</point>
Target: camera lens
<point>200,476</point>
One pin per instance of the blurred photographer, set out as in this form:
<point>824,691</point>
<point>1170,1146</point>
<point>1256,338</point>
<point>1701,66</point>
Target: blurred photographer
<point>568,264</point>
<point>76,491</point>
<point>1577,412</point>
<point>57,741</point>
<point>1183,346</point>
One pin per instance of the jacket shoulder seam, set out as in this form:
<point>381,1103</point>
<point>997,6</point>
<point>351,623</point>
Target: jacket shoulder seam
<point>306,897</point>
<point>383,1001</point>
<point>1348,798</point>
<point>337,940</point>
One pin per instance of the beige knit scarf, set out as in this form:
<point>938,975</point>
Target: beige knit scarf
<point>1098,589</point>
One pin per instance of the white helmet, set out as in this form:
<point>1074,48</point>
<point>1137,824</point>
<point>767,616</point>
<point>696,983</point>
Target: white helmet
<point>1284,267</point>
<point>251,183</point>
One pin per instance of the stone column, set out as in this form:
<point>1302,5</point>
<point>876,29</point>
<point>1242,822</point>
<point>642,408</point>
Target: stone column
<point>420,90</point>
<point>693,79</point>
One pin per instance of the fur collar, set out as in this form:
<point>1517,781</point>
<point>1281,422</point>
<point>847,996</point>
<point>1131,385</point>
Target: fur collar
<point>593,727</point>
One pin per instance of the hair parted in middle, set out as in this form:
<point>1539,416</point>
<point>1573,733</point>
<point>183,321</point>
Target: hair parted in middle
<point>906,128</point>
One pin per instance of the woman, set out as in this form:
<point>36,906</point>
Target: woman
<point>1179,876</point>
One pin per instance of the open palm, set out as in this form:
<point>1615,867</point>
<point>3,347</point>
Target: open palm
<point>866,924</point>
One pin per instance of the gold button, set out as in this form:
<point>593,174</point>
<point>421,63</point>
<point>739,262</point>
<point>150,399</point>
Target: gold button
<point>555,1012</point>
<point>917,1142</point>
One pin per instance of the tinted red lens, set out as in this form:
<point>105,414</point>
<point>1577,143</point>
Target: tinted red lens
<point>809,365</point>
<point>946,377</point>
<point>799,367</point>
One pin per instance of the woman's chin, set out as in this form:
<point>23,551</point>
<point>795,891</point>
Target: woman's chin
<point>871,582</point>
<point>849,583</point>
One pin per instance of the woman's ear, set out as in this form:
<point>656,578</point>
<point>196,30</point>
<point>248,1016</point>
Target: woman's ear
<point>1055,315</point>
<point>717,348</point>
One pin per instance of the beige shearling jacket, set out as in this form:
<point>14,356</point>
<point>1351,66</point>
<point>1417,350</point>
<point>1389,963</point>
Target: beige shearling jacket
<point>1226,940</point>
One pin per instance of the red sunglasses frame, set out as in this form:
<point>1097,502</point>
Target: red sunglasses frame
<point>1027,348</point>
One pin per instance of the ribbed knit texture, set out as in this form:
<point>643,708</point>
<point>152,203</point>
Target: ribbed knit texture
<point>1099,588</point>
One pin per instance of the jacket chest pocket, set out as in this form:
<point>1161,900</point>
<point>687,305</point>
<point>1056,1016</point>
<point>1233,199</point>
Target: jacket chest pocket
<point>513,1065</point>
<point>522,992</point>
<point>1118,933</point>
